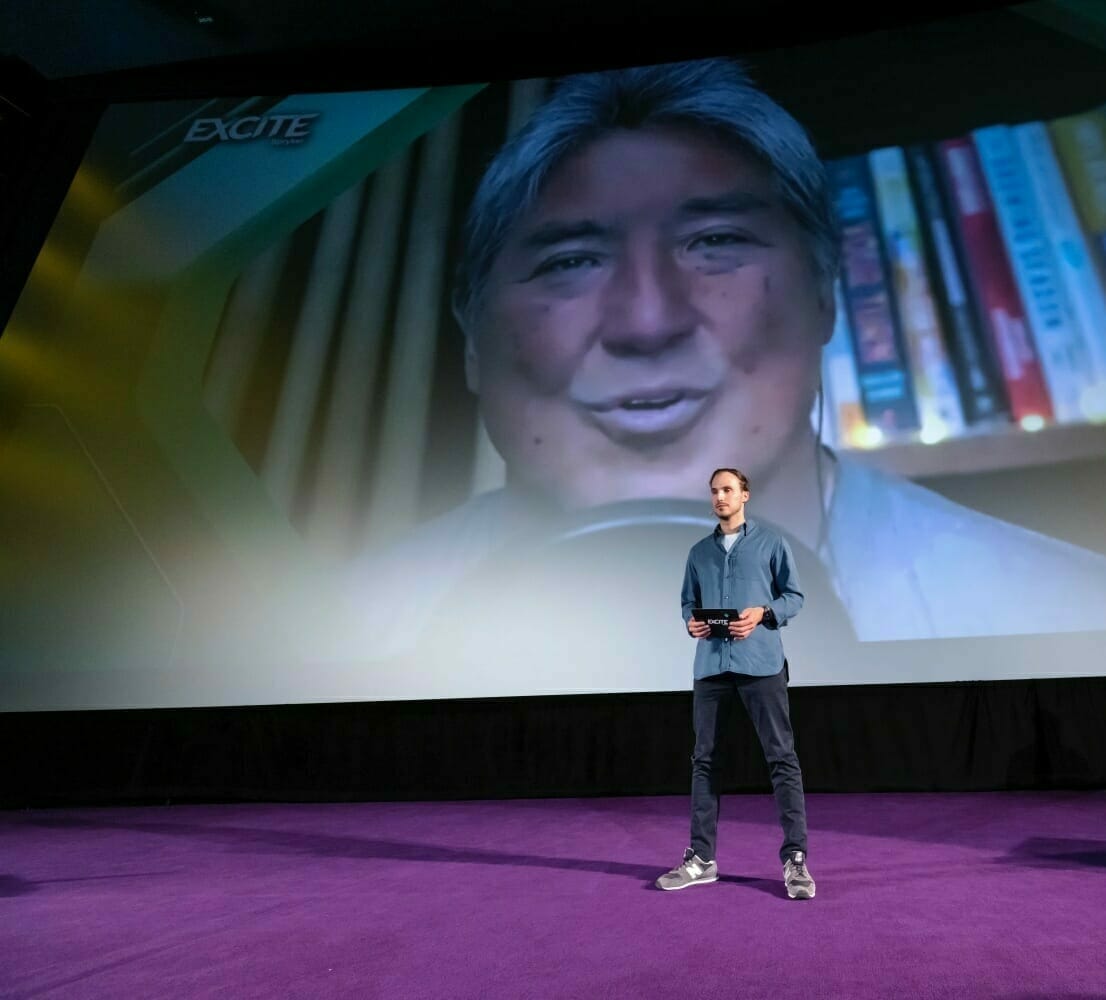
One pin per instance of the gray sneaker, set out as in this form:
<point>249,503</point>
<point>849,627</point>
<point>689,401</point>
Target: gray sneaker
<point>796,877</point>
<point>692,871</point>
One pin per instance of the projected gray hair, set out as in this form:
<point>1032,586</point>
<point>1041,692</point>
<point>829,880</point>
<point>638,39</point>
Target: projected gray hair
<point>714,95</point>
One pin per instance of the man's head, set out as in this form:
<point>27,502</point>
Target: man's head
<point>729,492</point>
<point>648,274</point>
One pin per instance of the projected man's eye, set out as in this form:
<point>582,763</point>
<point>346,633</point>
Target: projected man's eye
<point>718,241</point>
<point>566,264</point>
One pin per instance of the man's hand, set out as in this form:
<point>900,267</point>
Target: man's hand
<point>745,622</point>
<point>697,629</point>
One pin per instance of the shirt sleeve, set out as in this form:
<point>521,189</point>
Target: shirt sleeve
<point>785,585</point>
<point>690,593</point>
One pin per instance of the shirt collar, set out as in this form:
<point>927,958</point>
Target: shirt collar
<point>743,529</point>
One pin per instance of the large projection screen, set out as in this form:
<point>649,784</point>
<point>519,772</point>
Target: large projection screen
<point>281,426</point>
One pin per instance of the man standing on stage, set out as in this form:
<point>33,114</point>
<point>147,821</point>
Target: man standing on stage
<point>742,564</point>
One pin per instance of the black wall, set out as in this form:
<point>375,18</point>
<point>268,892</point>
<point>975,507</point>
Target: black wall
<point>918,737</point>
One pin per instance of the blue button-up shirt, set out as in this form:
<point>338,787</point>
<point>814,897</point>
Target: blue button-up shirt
<point>758,570</point>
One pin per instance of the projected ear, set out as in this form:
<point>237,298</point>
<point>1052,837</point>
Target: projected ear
<point>472,364</point>
<point>472,358</point>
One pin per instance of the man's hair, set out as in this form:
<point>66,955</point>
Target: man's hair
<point>713,95</point>
<point>741,477</point>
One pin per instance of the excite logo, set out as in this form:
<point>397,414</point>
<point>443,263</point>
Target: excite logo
<point>281,130</point>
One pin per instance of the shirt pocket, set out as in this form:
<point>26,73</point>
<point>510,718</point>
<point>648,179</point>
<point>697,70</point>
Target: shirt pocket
<point>740,569</point>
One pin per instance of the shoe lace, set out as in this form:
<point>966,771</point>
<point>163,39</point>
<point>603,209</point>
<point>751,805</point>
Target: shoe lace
<point>692,867</point>
<point>796,868</point>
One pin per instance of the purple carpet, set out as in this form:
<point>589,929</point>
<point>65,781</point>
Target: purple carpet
<point>984,895</point>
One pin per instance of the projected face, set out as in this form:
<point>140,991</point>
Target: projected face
<point>656,311</point>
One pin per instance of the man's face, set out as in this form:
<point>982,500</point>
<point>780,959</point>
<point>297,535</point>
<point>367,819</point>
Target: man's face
<point>656,311</point>
<point>727,496</point>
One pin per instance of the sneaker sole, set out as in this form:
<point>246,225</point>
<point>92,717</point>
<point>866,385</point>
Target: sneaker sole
<point>800,894</point>
<point>698,881</point>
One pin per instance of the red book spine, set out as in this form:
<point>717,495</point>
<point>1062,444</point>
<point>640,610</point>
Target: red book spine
<point>993,280</point>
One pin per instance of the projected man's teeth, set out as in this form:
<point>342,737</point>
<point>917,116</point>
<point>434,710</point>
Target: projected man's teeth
<point>650,404</point>
<point>650,418</point>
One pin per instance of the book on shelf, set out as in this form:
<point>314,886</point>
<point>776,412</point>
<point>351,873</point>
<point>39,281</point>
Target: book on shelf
<point>881,364</point>
<point>936,395</point>
<point>1058,339</point>
<point>993,279</point>
<point>1081,146</point>
<point>1073,254</point>
<point>980,386</point>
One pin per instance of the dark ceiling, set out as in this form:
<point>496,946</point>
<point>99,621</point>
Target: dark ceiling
<point>104,49</point>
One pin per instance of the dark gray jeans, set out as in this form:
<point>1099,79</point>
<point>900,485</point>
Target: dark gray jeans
<point>765,700</point>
